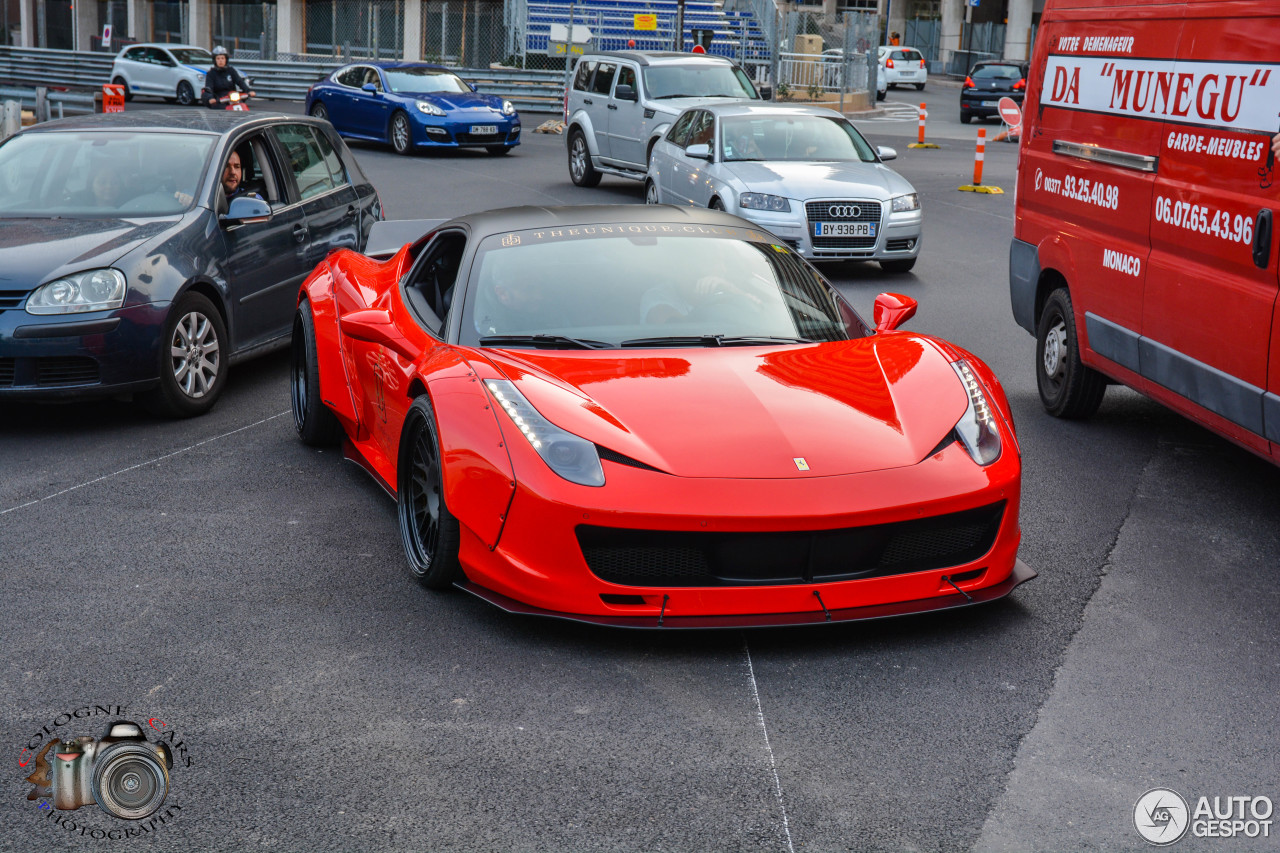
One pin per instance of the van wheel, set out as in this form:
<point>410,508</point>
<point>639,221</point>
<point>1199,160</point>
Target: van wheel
<point>581,171</point>
<point>1068,388</point>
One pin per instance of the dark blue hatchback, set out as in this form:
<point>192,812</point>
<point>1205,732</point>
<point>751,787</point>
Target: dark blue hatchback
<point>127,266</point>
<point>410,106</point>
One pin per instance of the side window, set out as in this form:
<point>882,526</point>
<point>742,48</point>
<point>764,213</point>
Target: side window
<point>603,84</point>
<point>627,76</point>
<point>135,54</point>
<point>430,290</point>
<point>156,56</point>
<point>679,133</point>
<point>702,130</point>
<point>350,76</point>
<point>305,160</point>
<point>331,159</point>
<point>585,67</point>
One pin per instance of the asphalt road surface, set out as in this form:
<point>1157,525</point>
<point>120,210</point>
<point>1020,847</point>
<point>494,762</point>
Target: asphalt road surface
<point>249,597</point>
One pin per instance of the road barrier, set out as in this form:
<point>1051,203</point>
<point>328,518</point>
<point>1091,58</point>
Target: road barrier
<point>979,156</point>
<point>534,91</point>
<point>48,104</point>
<point>920,143</point>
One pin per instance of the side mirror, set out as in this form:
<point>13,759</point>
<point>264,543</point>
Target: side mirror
<point>701,151</point>
<point>473,87</point>
<point>624,92</point>
<point>765,92</point>
<point>246,211</point>
<point>892,310</point>
<point>887,153</point>
<point>371,88</point>
<point>374,326</point>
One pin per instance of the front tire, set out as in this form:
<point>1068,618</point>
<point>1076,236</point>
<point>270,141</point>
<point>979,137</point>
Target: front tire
<point>315,423</point>
<point>428,531</point>
<point>899,266</point>
<point>320,111</point>
<point>581,172</point>
<point>1068,388</point>
<point>400,134</point>
<point>193,366</point>
<point>186,94</point>
<point>128,95</point>
<point>651,193</point>
<point>716,204</point>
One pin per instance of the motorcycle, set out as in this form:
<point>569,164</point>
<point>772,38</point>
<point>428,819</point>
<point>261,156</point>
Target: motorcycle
<point>234,100</point>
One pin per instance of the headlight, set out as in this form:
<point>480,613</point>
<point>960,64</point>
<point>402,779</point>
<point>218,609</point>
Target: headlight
<point>508,108</point>
<point>200,78</point>
<point>903,203</point>
<point>760,201</point>
<point>977,429</point>
<point>94,290</point>
<point>429,108</point>
<point>570,456</point>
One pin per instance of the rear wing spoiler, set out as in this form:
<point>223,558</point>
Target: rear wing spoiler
<point>389,236</point>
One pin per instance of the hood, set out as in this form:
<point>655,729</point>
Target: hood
<point>748,412</point>
<point>459,100</point>
<point>836,179</point>
<point>33,251</point>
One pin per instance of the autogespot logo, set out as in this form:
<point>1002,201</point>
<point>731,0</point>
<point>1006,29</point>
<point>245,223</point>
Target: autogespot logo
<point>1161,816</point>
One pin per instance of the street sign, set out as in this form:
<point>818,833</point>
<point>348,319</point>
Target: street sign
<point>106,36</point>
<point>558,44</point>
<point>112,98</point>
<point>1010,112</point>
<point>646,22</point>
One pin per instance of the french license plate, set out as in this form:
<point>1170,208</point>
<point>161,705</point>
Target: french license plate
<point>844,229</point>
<point>990,103</point>
<point>482,129</point>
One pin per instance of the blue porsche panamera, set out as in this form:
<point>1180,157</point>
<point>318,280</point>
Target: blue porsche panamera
<point>413,106</point>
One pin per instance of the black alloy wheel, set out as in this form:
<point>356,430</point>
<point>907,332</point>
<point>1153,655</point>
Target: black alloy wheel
<point>1068,388</point>
<point>428,531</point>
<point>186,94</point>
<point>316,424</point>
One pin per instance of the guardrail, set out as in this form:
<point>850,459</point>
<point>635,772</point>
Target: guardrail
<point>50,105</point>
<point>534,91</point>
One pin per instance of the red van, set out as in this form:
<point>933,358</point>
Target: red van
<point>1144,248</point>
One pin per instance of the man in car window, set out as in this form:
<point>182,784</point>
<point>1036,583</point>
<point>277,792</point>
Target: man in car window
<point>233,179</point>
<point>222,79</point>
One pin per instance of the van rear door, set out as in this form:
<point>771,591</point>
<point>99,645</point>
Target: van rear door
<point>1211,292</point>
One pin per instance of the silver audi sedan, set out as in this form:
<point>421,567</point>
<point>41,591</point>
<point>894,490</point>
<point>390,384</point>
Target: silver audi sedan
<point>804,173</point>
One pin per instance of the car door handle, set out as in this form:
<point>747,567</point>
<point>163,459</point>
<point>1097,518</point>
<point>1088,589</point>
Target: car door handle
<point>1262,239</point>
<point>299,232</point>
<point>351,211</point>
<point>613,106</point>
<point>588,101</point>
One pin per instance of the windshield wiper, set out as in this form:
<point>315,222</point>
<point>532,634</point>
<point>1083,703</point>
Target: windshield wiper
<point>677,95</point>
<point>543,340</point>
<point>713,341</point>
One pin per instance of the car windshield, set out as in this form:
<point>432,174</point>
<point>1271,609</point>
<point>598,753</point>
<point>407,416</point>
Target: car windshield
<point>101,174</point>
<point>422,80</point>
<point>1004,72</point>
<point>697,80</point>
<point>610,286</point>
<point>192,56</point>
<point>792,137</point>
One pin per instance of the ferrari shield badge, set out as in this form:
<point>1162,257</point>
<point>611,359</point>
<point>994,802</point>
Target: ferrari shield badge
<point>800,463</point>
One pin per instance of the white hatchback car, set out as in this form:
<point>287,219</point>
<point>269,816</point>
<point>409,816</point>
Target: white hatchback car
<point>174,72</point>
<point>804,173</point>
<point>903,65</point>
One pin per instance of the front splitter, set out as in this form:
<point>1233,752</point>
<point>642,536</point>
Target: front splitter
<point>1021,573</point>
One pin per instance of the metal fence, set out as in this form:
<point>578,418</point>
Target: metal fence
<point>819,55</point>
<point>368,29</point>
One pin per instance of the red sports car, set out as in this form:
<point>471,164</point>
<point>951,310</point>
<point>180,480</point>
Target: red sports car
<point>650,416</point>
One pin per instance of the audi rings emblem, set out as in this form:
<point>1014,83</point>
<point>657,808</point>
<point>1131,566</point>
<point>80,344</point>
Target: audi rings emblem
<point>844,211</point>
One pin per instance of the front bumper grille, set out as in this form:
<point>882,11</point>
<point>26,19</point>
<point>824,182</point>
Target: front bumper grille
<point>648,558</point>
<point>7,366</point>
<point>867,210</point>
<point>901,245</point>
<point>68,370</point>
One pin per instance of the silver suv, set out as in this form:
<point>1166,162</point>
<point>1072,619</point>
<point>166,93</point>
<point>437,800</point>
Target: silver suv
<point>622,102</point>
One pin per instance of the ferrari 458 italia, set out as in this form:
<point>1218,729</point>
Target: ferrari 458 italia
<point>657,417</point>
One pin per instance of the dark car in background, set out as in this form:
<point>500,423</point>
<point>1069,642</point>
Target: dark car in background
<point>124,269</point>
<point>987,83</point>
<point>412,106</point>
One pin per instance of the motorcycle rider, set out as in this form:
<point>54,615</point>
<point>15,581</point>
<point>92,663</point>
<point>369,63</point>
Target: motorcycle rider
<point>222,79</point>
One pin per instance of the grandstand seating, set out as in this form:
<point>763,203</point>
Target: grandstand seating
<point>736,35</point>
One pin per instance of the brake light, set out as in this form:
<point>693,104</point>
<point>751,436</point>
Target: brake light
<point>968,82</point>
<point>1021,84</point>
<point>888,63</point>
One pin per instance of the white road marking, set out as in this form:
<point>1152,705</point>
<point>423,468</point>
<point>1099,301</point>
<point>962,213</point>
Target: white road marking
<point>894,112</point>
<point>139,465</point>
<point>773,766</point>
